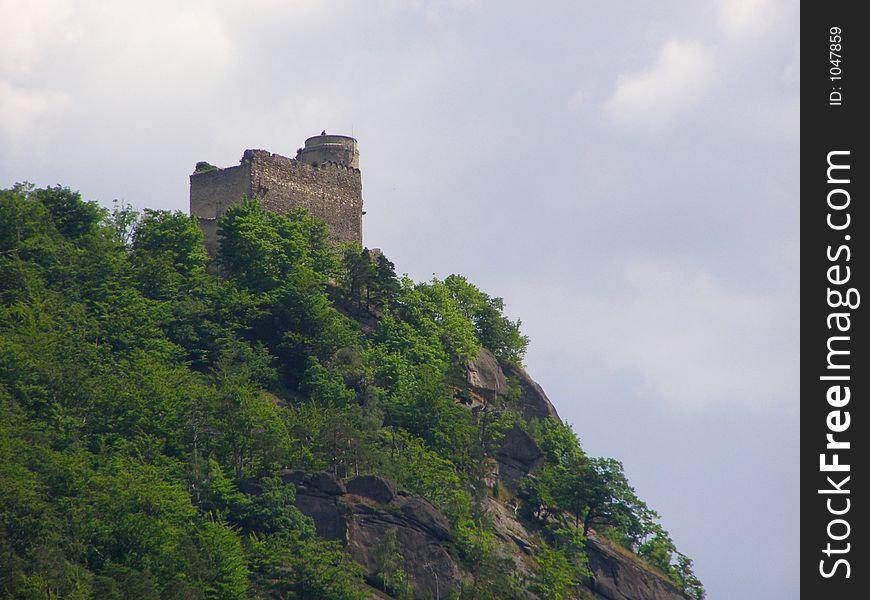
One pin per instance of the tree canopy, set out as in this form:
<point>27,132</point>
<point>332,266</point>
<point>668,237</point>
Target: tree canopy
<point>138,389</point>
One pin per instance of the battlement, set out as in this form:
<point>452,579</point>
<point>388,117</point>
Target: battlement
<point>324,179</point>
<point>265,155</point>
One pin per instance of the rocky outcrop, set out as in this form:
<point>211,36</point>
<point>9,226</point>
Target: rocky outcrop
<point>361,514</point>
<point>534,402</point>
<point>617,577</point>
<point>517,456</point>
<point>487,378</point>
<point>484,375</point>
<point>320,482</point>
<point>316,495</point>
<point>373,487</point>
<point>421,536</point>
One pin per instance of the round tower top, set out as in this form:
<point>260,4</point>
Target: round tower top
<point>323,148</point>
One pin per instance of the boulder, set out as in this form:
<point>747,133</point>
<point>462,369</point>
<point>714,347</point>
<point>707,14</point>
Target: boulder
<point>315,494</point>
<point>330,520</point>
<point>534,402</point>
<point>317,482</point>
<point>431,570</point>
<point>315,497</point>
<point>325,483</point>
<point>518,455</point>
<point>373,487</point>
<point>360,515</point>
<point>424,515</point>
<point>484,375</point>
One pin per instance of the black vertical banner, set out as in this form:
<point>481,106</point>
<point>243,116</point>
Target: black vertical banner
<point>835,373</point>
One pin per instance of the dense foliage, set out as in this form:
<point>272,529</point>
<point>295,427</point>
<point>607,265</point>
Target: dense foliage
<point>137,389</point>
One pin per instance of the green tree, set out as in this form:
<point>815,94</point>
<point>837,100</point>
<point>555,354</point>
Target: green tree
<point>146,406</point>
<point>122,222</point>
<point>558,442</point>
<point>216,563</point>
<point>414,466</point>
<point>385,286</point>
<point>609,498</point>
<point>493,329</point>
<point>255,249</point>
<point>686,578</point>
<point>119,582</point>
<point>173,236</point>
<point>246,429</point>
<point>168,253</point>
<point>349,440</point>
<point>132,514</point>
<point>391,566</point>
<point>72,216</point>
<point>260,248</point>
<point>325,385</point>
<point>274,510</point>
<point>302,568</point>
<point>215,493</point>
<point>358,276</point>
<point>556,577</point>
<point>658,550</point>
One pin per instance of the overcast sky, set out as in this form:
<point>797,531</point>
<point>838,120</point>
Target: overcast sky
<point>623,173</point>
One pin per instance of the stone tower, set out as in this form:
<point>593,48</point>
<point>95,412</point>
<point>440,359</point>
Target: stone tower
<point>324,178</point>
<point>322,149</point>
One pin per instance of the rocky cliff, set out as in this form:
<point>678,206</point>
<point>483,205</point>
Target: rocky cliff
<point>361,511</point>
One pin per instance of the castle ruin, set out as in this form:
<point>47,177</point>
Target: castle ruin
<point>324,179</point>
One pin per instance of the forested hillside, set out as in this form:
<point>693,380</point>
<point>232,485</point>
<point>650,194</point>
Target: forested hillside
<point>159,417</point>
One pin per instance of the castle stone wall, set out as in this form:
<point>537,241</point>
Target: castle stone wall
<point>330,191</point>
<point>212,192</point>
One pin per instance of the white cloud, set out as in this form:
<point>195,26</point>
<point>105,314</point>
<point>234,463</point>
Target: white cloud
<point>28,30</point>
<point>680,76</point>
<point>753,17</point>
<point>101,70</point>
<point>687,66</point>
<point>25,113</point>
<point>741,14</point>
<point>691,340</point>
<point>578,99</point>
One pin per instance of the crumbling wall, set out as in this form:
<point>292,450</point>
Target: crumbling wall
<point>330,191</point>
<point>212,192</point>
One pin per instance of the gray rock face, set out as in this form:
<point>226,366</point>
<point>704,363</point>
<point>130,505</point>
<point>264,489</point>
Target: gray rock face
<point>485,376</point>
<point>355,515</point>
<point>373,487</point>
<point>517,457</point>
<point>534,402</point>
<point>315,494</point>
<point>431,571</point>
<point>361,518</point>
<point>615,577</point>
<point>321,483</point>
<point>424,515</point>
